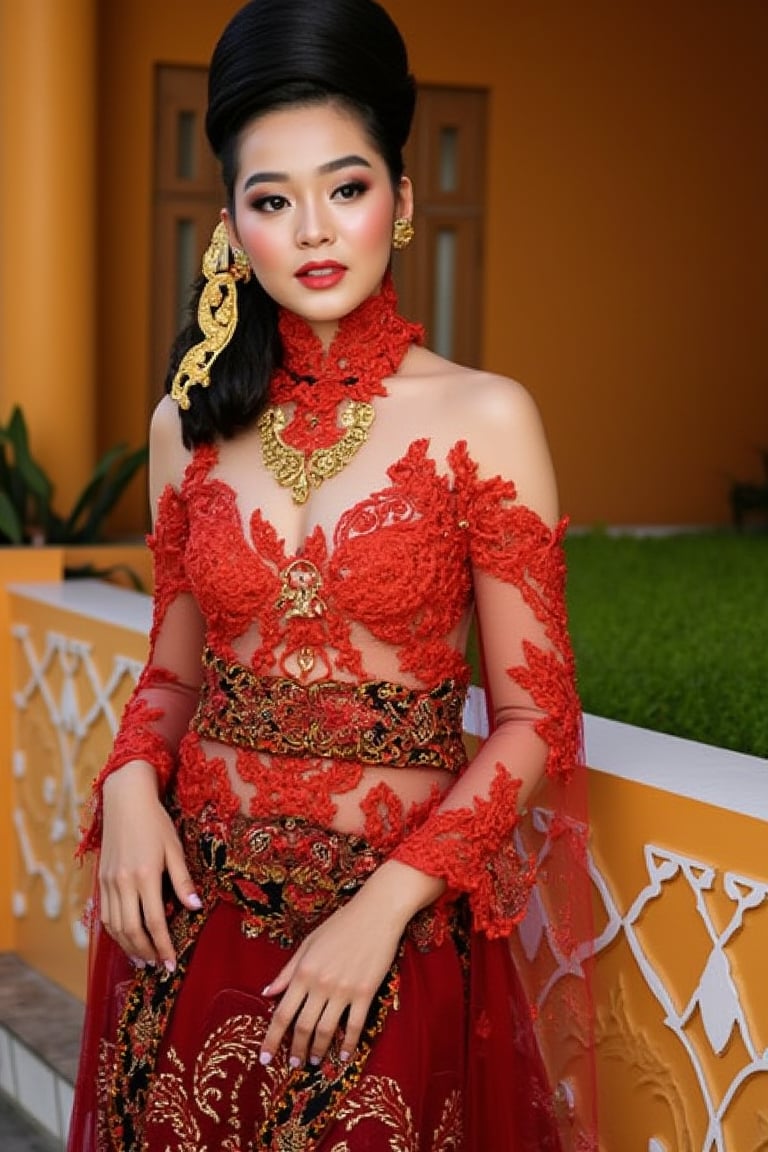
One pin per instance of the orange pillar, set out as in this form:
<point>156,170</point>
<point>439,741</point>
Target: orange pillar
<point>47,231</point>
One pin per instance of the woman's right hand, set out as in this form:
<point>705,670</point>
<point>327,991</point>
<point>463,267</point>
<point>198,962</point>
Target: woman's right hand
<point>139,845</point>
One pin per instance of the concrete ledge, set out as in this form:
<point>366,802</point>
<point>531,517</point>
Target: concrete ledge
<point>40,1029</point>
<point>93,599</point>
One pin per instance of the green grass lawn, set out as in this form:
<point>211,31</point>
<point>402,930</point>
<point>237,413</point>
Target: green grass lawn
<point>671,633</point>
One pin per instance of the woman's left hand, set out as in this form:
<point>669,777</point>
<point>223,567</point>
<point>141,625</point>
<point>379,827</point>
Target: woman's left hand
<point>338,968</point>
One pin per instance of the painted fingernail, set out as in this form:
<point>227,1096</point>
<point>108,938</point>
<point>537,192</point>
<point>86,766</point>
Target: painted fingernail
<point>138,962</point>
<point>170,965</point>
<point>294,1062</point>
<point>195,902</point>
<point>314,1061</point>
<point>344,1056</point>
<point>265,991</point>
<point>265,1058</point>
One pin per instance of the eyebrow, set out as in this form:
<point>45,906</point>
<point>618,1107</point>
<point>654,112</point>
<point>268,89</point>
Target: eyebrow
<point>324,170</point>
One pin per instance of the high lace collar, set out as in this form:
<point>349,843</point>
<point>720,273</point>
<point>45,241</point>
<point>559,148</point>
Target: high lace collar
<point>369,345</point>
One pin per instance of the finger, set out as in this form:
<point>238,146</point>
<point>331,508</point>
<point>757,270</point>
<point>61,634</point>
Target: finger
<point>282,1018</point>
<point>181,881</point>
<point>325,1029</point>
<point>111,908</point>
<point>127,926</point>
<point>305,1026</point>
<point>105,913</point>
<point>118,907</point>
<point>135,960</point>
<point>358,1014</point>
<point>137,915</point>
<point>156,925</point>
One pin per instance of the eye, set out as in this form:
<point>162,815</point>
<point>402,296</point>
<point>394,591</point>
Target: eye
<point>273,203</point>
<point>350,191</point>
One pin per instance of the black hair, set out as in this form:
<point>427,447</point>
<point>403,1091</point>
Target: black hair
<point>277,54</point>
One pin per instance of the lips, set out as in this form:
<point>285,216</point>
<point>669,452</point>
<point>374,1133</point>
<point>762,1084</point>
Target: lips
<point>321,274</point>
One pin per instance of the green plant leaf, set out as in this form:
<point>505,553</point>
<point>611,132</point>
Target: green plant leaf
<point>33,475</point>
<point>101,494</point>
<point>5,466</point>
<point>93,487</point>
<point>27,491</point>
<point>10,525</point>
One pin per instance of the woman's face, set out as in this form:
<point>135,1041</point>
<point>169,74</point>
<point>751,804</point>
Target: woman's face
<point>313,207</point>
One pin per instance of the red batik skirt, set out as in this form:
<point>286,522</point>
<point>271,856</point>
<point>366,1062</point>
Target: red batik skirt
<point>170,1061</point>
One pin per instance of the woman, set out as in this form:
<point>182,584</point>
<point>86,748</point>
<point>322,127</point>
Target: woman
<point>305,888</point>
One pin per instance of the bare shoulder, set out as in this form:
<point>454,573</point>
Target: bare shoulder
<point>480,401</point>
<point>501,424</point>
<point>168,458</point>
<point>500,403</point>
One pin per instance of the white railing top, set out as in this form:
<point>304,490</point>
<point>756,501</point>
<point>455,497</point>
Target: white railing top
<point>94,599</point>
<point>701,772</point>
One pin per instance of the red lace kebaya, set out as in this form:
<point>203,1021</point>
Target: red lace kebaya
<point>373,599</point>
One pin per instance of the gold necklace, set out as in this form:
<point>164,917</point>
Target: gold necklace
<point>299,472</point>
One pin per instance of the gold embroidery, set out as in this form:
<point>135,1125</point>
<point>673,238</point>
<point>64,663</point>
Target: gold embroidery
<point>216,1090</point>
<point>293,1138</point>
<point>292,469</point>
<point>217,1087</point>
<point>144,1028</point>
<point>300,587</point>
<point>373,722</point>
<point>168,1104</point>
<point>381,1098</point>
<point>106,1063</point>
<point>148,1004</point>
<point>234,1042</point>
<point>282,875</point>
<point>449,1134</point>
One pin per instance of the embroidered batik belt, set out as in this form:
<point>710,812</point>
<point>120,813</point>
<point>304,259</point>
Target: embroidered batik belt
<point>374,722</point>
<point>287,875</point>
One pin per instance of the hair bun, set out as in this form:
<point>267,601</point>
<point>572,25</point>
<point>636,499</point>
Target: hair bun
<point>273,49</point>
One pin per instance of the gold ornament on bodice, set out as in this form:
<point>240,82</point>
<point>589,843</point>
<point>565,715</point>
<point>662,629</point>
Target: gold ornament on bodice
<point>301,472</point>
<point>320,409</point>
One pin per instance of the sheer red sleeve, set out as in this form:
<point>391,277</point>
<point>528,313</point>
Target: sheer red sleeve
<point>511,833</point>
<point>164,699</point>
<point>519,580</point>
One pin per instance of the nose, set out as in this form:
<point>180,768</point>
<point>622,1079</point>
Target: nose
<point>313,227</point>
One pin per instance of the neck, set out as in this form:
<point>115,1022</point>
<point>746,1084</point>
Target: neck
<point>355,354</point>
<point>313,439</point>
<point>326,331</point>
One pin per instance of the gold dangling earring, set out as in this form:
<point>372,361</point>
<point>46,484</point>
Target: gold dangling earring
<point>241,265</point>
<point>402,233</point>
<point>216,313</point>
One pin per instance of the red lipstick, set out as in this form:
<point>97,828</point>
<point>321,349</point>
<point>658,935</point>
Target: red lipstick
<point>317,274</point>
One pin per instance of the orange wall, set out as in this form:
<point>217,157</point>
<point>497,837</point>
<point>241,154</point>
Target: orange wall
<point>626,276</point>
<point>132,39</point>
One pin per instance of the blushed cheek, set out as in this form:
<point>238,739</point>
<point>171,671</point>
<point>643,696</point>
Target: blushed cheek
<point>374,227</point>
<point>264,251</point>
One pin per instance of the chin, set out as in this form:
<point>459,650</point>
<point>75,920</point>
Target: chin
<point>330,306</point>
